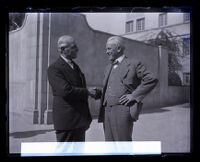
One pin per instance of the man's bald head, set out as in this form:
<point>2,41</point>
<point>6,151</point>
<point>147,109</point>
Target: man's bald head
<point>67,47</point>
<point>65,39</point>
<point>114,48</point>
<point>117,40</point>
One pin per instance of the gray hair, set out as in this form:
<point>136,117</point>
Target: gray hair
<point>118,41</point>
<point>65,39</point>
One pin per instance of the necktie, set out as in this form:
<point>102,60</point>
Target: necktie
<point>106,82</point>
<point>115,62</point>
<point>71,64</point>
<point>112,65</point>
<point>78,71</point>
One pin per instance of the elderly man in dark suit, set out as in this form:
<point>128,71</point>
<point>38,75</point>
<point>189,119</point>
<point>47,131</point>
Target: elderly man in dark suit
<point>125,84</point>
<point>71,115</point>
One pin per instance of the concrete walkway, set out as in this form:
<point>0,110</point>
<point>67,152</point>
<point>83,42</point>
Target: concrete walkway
<point>170,125</point>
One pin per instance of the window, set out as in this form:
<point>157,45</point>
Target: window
<point>129,26</point>
<point>186,46</point>
<point>186,17</point>
<point>140,24</point>
<point>186,78</point>
<point>162,20</point>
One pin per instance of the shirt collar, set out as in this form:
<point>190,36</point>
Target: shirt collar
<point>120,58</point>
<point>67,60</point>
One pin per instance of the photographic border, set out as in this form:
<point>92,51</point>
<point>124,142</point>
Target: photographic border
<point>84,7</point>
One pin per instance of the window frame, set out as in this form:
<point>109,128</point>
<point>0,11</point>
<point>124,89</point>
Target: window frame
<point>141,22</point>
<point>131,27</point>
<point>186,79</point>
<point>162,18</point>
<point>186,46</point>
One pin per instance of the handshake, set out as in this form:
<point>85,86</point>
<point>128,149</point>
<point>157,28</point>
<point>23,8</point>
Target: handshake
<point>94,92</point>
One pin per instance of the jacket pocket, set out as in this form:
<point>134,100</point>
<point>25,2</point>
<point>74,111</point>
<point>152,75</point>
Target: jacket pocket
<point>135,110</point>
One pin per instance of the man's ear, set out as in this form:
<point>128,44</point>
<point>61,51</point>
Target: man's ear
<point>119,49</point>
<point>59,50</point>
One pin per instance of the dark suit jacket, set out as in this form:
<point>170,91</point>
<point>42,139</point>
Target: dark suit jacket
<point>136,79</point>
<point>70,98</point>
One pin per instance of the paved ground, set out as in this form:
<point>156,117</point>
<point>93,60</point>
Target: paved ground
<point>170,125</point>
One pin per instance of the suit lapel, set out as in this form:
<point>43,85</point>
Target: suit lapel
<point>80,74</point>
<point>124,68</point>
<point>106,74</point>
<point>67,70</point>
<point>65,65</point>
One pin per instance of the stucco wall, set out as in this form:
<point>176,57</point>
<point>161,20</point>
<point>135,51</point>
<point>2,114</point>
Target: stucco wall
<point>22,65</point>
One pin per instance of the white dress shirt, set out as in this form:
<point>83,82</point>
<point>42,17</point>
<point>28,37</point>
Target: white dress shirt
<point>119,60</point>
<point>69,62</point>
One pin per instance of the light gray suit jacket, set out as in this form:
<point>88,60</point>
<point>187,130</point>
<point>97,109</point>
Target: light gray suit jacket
<point>137,81</point>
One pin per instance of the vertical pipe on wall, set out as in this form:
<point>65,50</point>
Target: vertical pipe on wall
<point>159,74</point>
<point>39,67</point>
<point>48,58</point>
<point>48,112</point>
<point>37,114</point>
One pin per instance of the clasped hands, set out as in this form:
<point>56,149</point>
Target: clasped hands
<point>94,92</point>
<point>127,99</point>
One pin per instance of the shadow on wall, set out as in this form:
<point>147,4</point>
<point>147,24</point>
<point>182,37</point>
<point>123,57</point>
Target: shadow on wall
<point>27,134</point>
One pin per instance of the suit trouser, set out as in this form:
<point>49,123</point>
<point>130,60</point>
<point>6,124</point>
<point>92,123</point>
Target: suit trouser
<point>118,124</point>
<point>75,135</point>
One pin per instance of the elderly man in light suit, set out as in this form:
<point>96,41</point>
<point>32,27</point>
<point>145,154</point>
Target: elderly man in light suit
<point>126,83</point>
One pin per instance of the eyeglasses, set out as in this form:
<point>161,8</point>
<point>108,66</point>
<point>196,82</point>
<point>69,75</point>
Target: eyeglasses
<point>72,47</point>
<point>63,48</point>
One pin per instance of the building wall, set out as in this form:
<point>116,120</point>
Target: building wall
<point>33,48</point>
<point>175,24</point>
<point>22,66</point>
<point>152,19</point>
<point>114,23</point>
<point>28,48</point>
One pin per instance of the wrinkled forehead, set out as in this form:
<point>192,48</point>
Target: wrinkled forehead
<point>112,43</point>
